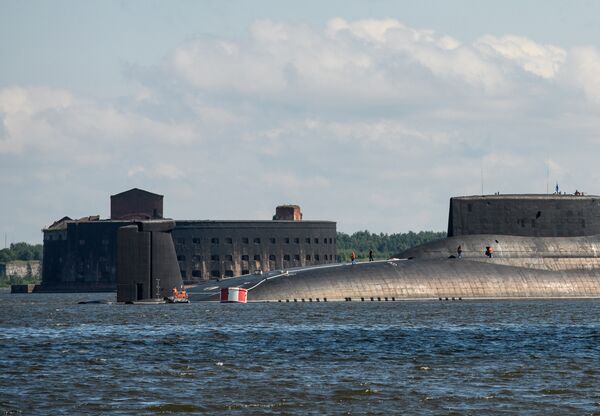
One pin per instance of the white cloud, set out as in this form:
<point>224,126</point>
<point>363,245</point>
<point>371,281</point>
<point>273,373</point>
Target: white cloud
<point>56,122</point>
<point>582,71</point>
<point>541,60</point>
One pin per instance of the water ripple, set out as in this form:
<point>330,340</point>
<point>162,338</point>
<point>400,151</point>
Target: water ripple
<point>525,357</point>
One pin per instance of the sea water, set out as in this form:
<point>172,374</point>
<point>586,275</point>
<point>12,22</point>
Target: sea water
<point>409,357</point>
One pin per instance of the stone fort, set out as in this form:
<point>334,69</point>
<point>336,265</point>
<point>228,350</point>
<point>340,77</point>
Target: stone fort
<point>81,254</point>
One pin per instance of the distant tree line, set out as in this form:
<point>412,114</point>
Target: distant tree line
<point>383,245</point>
<point>21,251</point>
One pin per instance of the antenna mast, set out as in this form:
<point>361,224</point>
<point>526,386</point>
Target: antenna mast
<point>482,179</point>
<point>547,178</point>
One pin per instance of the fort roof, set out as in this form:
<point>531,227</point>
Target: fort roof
<point>527,197</point>
<point>135,190</point>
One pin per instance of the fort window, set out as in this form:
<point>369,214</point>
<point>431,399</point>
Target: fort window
<point>582,223</point>
<point>539,214</point>
<point>297,257</point>
<point>257,257</point>
<point>287,240</point>
<point>245,257</point>
<point>181,258</point>
<point>308,257</point>
<point>286,257</point>
<point>245,271</point>
<point>196,240</point>
<point>228,257</point>
<point>307,240</point>
<point>317,258</point>
<point>325,257</point>
<point>215,273</point>
<point>214,257</point>
<point>272,257</point>
<point>316,241</point>
<point>257,241</point>
<point>228,240</point>
<point>470,207</point>
<point>214,240</point>
<point>296,240</point>
<point>196,273</point>
<point>272,240</point>
<point>228,273</point>
<point>245,240</point>
<point>324,241</point>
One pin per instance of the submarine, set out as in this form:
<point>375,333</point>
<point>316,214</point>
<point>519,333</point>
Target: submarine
<point>511,246</point>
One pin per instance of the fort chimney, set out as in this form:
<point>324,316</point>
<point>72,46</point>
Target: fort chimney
<point>136,204</point>
<point>288,213</point>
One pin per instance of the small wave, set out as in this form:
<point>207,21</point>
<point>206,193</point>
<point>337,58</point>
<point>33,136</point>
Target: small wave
<point>174,408</point>
<point>555,391</point>
<point>352,394</point>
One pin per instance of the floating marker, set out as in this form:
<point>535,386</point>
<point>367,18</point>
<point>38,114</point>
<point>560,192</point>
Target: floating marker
<point>234,295</point>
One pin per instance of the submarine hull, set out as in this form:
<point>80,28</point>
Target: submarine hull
<point>414,279</point>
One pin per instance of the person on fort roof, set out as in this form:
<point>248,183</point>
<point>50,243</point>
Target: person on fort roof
<point>370,255</point>
<point>353,257</point>
<point>459,251</point>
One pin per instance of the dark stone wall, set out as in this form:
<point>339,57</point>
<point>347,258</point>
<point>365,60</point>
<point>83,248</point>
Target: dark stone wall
<point>136,204</point>
<point>84,255</point>
<point>216,249</point>
<point>525,215</point>
<point>81,257</point>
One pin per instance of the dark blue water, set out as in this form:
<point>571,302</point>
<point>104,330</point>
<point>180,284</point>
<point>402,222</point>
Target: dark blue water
<point>484,357</point>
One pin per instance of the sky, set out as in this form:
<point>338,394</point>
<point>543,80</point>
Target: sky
<point>368,113</point>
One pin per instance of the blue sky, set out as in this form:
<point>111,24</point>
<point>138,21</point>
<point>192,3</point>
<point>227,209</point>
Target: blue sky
<point>369,113</point>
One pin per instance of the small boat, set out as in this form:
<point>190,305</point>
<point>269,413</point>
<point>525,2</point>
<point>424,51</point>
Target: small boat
<point>178,296</point>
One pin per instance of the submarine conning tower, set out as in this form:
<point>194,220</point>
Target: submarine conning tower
<point>147,265</point>
<point>527,215</point>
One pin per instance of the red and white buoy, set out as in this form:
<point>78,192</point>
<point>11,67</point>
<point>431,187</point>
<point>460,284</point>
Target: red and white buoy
<point>234,295</point>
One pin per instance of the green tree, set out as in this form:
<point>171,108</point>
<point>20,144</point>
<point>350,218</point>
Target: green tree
<point>383,245</point>
<point>21,251</point>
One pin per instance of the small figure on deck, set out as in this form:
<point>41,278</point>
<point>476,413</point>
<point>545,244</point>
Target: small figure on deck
<point>489,251</point>
<point>353,257</point>
<point>459,251</point>
<point>370,255</point>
